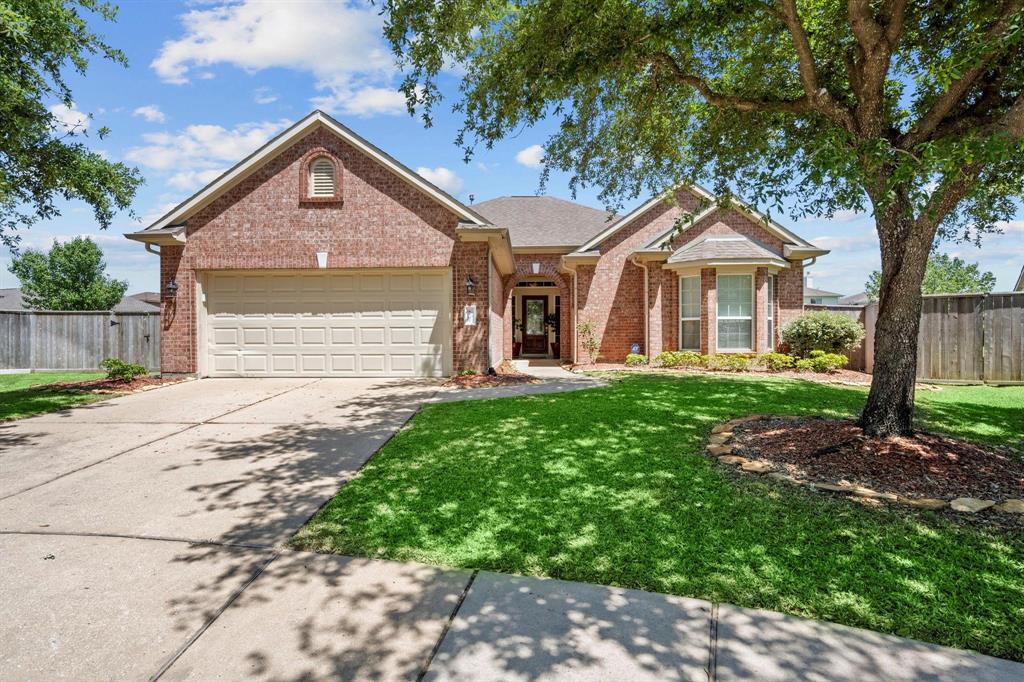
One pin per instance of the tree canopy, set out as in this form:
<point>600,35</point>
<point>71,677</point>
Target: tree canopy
<point>912,109</point>
<point>42,156</point>
<point>70,277</point>
<point>943,275</point>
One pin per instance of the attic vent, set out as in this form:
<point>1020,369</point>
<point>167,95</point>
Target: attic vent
<point>321,178</point>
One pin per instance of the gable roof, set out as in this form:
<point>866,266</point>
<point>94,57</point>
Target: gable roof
<point>12,299</point>
<point>1019,286</point>
<point>792,241</point>
<point>282,141</point>
<point>538,221</point>
<point>811,291</point>
<point>718,249</point>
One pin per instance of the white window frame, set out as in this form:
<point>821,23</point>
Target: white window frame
<point>679,341</point>
<point>771,313</point>
<point>719,318</point>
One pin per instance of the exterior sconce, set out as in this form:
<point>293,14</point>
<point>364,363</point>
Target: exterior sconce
<point>536,268</point>
<point>172,289</point>
<point>470,286</point>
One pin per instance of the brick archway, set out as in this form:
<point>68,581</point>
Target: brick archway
<point>549,270</point>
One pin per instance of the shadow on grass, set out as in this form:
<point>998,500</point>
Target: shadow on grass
<point>609,486</point>
<point>28,402</point>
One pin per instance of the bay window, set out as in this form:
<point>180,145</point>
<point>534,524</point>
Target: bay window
<point>689,313</point>
<point>735,312</point>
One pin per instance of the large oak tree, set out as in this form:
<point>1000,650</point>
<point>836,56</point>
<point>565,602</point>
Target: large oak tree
<point>912,110</point>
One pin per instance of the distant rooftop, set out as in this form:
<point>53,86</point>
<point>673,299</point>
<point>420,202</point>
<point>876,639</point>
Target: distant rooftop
<point>544,221</point>
<point>811,291</point>
<point>11,299</point>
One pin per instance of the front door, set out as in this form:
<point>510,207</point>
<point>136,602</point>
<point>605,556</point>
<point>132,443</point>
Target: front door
<point>535,330</point>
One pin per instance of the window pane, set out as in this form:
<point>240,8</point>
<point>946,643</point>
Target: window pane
<point>771,297</point>
<point>691,335</point>
<point>734,296</point>
<point>689,293</point>
<point>771,334</point>
<point>534,317</point>
<point>734,334</point>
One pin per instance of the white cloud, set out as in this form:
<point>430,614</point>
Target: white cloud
<point>340,44</point>
<point>443,178</point>
<point>1011,226</point>
<point>264,96</point>
<point>531,157</point>
<point>202,147</point>
<point>847,242</point>
<point>68,118</point>
<point>151,113</point>
<point>194,179</point>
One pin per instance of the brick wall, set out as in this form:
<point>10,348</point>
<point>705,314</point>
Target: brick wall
<point>381,221</point>
<point>708,310</point>
<point>550,269</point>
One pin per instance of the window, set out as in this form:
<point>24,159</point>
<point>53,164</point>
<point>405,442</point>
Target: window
<point>771,312</point>
<point>321,178</point>
<point>735,308</point>
<point>689,313</point>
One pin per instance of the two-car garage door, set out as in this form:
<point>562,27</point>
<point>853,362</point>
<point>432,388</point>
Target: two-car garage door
<point>339,323</point>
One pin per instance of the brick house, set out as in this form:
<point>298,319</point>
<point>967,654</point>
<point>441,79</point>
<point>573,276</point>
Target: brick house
<point>321,255</point>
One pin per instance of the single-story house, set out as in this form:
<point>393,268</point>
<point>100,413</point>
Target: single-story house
<point>12,299</point>
<point>814,296</point>
<point>321,255</point>
<point>856,299</point>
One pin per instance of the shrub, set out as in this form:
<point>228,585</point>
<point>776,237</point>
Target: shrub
<point>822,362</point>
<point>119,370</point>
<point>678,358</point>
<point>635,360</point>
<point>824,331</point>
<point>777,362</point>
<point>589,339</point>
<point>727,363</point>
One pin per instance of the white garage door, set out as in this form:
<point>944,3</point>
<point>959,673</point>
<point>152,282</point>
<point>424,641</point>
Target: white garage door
<point>343,323</point>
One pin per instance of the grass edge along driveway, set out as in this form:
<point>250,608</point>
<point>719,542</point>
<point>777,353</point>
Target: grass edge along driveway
<point>609,486</point>
<point>26,395</point>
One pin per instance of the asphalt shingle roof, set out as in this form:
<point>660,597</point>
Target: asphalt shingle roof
<point>544,221</point>
<point>721,248</point>
<point>11,299</point>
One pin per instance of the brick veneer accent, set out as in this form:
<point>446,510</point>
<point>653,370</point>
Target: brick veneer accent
<point>760,332</point>
<point>550,269</point>
<point>260,223</point>
<point>789,295</point>
<point>708,310</point>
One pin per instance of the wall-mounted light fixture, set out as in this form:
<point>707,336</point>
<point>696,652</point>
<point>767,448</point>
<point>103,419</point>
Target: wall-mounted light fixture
<point>172,289</point>
<point>470,286</point>
<point>536,268</point>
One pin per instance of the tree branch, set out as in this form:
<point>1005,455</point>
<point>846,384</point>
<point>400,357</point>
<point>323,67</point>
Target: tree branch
<point>947,101</point>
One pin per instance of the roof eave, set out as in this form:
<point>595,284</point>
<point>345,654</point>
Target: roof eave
<point>497,240</point>
<point>727,262</point>
<point>166,236</point>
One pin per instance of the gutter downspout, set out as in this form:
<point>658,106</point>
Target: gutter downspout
<point>149,247</point>
<point>575,310</point>
<point>647,303</point>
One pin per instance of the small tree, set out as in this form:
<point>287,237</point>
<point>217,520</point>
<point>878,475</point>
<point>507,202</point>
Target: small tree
<point>943,275</point>
<point>589,339</point>
<point>69,277</point>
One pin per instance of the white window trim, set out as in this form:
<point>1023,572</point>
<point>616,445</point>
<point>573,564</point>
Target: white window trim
<point>679,338</point>
<point>770,313</point>
<point>750,317</point>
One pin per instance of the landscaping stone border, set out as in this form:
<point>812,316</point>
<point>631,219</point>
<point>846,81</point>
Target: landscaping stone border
<point>721,447</point>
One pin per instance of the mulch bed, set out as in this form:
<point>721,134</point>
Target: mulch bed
<point>105,385</point>
<point>922,465</point>
<point>843,376</point>
<point>506,375</point>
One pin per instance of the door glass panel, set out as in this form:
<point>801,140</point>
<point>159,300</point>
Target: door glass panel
<point>534,317</point>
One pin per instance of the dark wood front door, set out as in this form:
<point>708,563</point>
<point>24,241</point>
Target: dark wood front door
<point>535,330</point>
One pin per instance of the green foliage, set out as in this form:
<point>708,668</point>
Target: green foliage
<point>69,277</point>
<point>727,362</point>
<point>467,372</point>
<point>776,362</point>
<point>822,330</point>
<point>943,275</point>
<point>44,159</point>
<point>822,362</point>
<point>589,339</point>
<point>25,395</point>
<point>636,360</point>
<point>119,370</point>
<point>679,358</point>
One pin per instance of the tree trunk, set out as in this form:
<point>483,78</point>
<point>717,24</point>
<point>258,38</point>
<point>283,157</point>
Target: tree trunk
<point>905,246</point>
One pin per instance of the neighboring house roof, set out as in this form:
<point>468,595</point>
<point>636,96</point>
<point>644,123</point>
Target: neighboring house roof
<point>716,249</point>
<point>856,299</point>
<point>811,291</point>
<point>151,297</point>
<point>535,221</point>
<point>246,166</point>
<point>799,246</point>
<point>1019,286</point>
<point>11,299</point>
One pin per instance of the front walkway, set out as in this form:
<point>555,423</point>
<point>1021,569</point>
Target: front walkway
<point>142,538</point>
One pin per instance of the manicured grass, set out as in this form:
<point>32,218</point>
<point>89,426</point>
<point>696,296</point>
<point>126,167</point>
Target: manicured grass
<point>23,395</point>
<point>609,486</point>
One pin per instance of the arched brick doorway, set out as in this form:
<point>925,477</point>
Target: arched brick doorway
<point>548,270</point>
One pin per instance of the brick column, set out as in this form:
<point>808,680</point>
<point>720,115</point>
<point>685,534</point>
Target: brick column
<point>708,311</point>
<point>761,310</point>
<point>653,309</point>
<point>178,315</point>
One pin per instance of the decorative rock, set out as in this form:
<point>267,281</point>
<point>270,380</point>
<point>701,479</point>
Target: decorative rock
<point>861,491</point>
<point>923,502</point>
<point>971,505</point>
<point>717,450</point>
<point>1011,507</point>
<point>733,459</point>
<point>720,438</point>
<point>756,467</point>
<point>721,428</point>
<point>831,487</point>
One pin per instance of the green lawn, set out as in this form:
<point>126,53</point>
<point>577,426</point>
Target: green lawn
<point>609,486</point>
<point>23,395</point>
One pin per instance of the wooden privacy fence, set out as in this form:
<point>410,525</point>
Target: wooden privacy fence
<point>964,337</point>
<point>44,340</point>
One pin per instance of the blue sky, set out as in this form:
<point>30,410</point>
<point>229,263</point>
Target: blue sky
<point>209,82</point>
